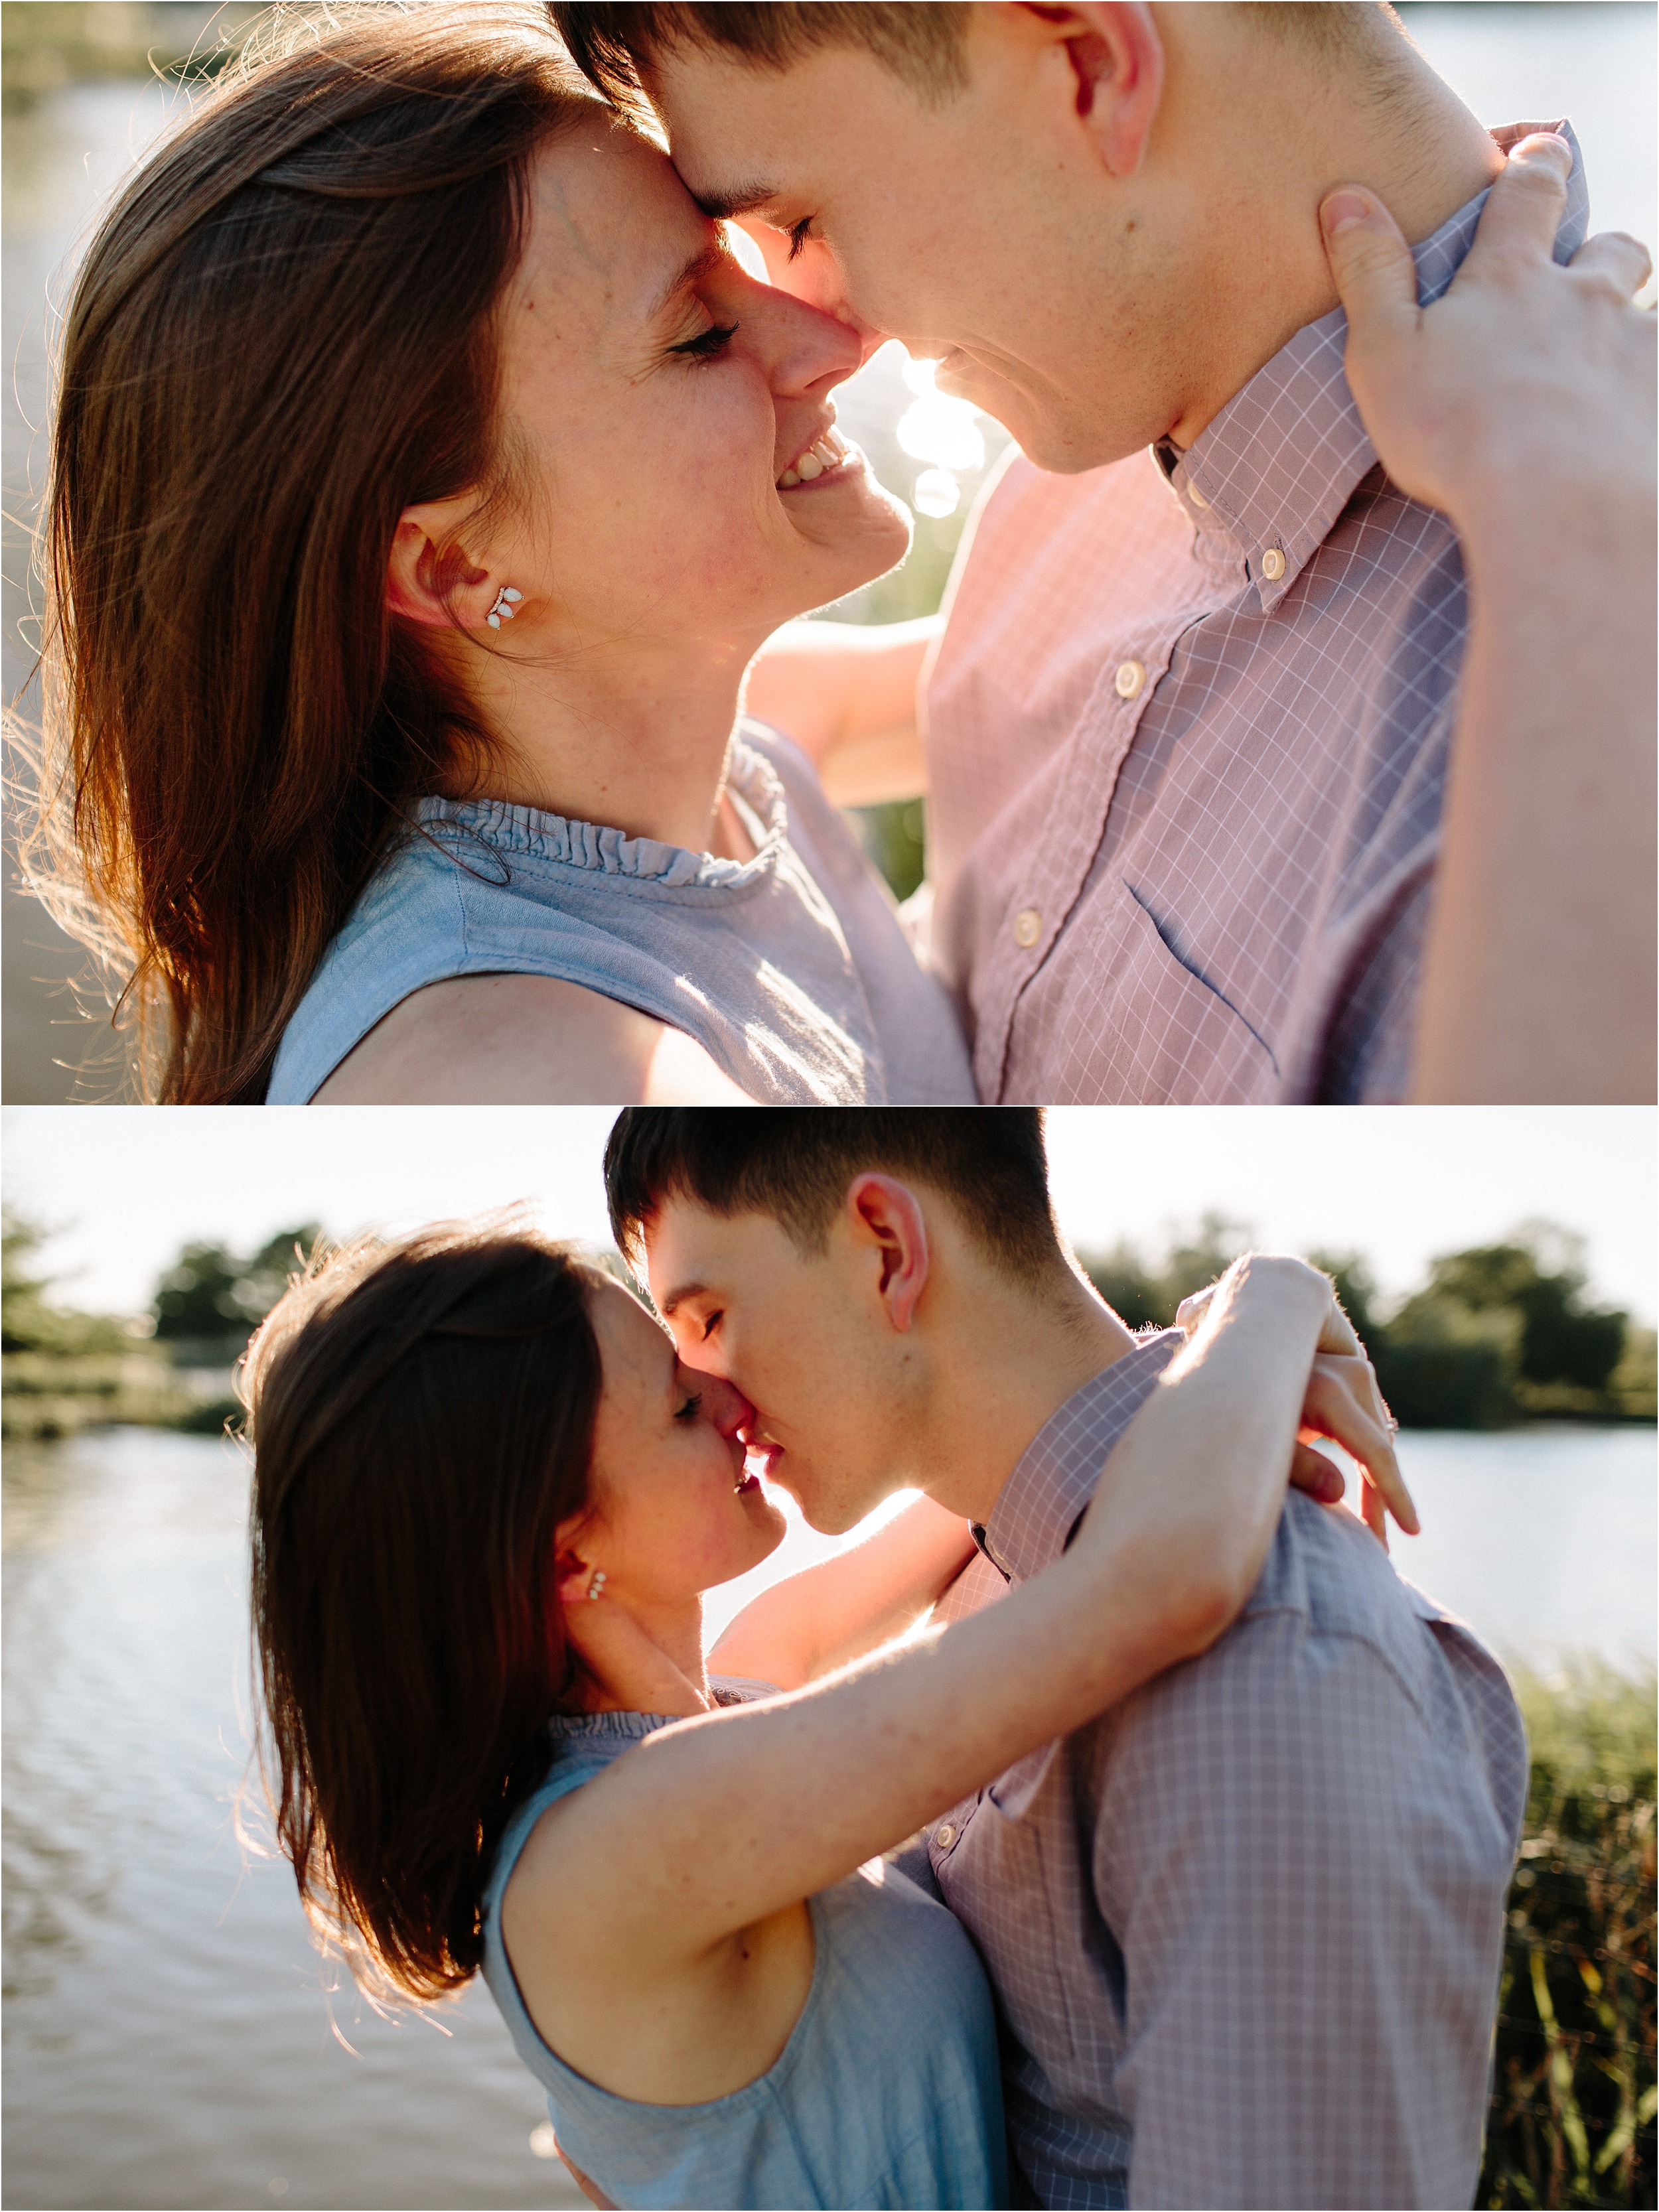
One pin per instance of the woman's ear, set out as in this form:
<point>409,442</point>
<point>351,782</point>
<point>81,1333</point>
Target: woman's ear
<point>885,1214</point>
<point>429,579</point>
<point>1116,61</point>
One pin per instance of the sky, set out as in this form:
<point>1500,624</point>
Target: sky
<point>122,1190</point>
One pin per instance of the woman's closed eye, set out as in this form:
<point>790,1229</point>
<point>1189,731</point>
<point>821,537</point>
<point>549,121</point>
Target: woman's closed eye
<point>709,344</point>
<point>691,1408</point>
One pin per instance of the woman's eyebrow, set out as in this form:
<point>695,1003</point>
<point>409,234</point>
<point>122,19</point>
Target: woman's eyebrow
<point>698,265</point>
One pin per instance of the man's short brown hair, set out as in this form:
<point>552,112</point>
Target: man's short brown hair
<point>612,43</point>
<point>795,1165</point>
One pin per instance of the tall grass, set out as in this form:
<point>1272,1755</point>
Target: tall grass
<point>1572,2116</point>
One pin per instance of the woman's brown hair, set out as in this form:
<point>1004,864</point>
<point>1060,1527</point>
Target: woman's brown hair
<point>422,1416</point>
<point>280,336</point>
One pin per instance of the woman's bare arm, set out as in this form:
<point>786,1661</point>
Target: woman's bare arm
<point>846,694</point>
<point>831,1614</point>
<point>1522,405</point>
<point>712,1825</point>
<point>524,1040</point>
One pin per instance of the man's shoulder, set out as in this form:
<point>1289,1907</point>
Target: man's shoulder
<point>1328,1587</point>
<point>1325,1565</point>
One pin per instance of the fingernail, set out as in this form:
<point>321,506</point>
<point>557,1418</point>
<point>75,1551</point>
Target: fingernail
<point>1342,211</point>
<point>1551,141</point>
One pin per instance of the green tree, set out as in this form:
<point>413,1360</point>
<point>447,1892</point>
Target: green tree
<point>1146,1296</point>
<point>1561,1339</point>
<point>28,1322</point>
<point>211,1291</point>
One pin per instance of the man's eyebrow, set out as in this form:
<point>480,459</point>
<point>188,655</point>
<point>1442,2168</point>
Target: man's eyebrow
<point>689,272</point>
<point>744,199</point>
<point>678,1296</point>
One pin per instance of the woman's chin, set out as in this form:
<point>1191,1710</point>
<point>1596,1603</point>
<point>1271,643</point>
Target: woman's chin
<point>871,544</point>
<point>766,1520</point>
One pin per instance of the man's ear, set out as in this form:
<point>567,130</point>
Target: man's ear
<point>885,1215</point>
<point>429,579</point>
<point>1116,60</point>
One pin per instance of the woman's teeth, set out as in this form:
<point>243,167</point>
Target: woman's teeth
<point>823,454</point>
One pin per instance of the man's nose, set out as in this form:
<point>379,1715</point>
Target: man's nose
<point>728,1409</point>
<point>814,275</point>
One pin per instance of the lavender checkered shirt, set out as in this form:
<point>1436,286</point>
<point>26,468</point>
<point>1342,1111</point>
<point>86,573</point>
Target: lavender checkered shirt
<point>1188,736</point>
<point>1245,1929</point>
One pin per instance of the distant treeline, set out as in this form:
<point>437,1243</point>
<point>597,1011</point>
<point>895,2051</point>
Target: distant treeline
<point>1502,1334</point>
<point>48,44</point>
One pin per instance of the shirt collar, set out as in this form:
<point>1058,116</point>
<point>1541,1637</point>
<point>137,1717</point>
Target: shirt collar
<point>1032,1521</point>
<point>1280,461</point>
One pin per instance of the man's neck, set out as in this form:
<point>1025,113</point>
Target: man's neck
<point>1003,1364</point>
<point>1263,129</point>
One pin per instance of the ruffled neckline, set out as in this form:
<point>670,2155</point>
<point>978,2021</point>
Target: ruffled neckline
<point>526,832</point>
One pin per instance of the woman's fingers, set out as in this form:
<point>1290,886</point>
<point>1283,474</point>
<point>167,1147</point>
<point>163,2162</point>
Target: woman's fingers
<point>1320,1477</point>
<point>1523,209</point>
<point>1371,264</point>
<point>1621,261</point>
<point>1337,1338</point>
<point>1344,1403</point>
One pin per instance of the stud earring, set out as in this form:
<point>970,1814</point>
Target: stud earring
<point>596,1587</point>
<point>505,599</point>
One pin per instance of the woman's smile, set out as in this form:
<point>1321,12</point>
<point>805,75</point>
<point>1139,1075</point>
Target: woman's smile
<point>828,455</point>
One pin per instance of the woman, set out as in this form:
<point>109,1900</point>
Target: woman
<point>488,1501</point>
<point>426,473</point>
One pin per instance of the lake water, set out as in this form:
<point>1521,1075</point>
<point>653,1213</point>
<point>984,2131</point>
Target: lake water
<point>168,2037</point>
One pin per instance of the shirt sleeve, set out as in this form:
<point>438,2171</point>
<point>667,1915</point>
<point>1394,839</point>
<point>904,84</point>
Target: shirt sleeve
<point>1303,1855</point>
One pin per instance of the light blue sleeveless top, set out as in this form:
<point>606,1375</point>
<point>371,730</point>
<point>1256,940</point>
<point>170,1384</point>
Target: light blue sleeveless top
<point>887,2094</point>
<point>790,970</point>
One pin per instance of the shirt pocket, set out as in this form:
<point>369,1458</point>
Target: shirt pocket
<point>1116,1017</point>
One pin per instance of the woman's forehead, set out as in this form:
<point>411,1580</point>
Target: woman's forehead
<point>611,227</point>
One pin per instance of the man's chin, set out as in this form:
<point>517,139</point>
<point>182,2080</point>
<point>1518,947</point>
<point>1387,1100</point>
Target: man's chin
<point>1059,448</point>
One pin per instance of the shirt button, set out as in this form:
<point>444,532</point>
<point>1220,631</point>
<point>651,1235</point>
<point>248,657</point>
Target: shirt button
<point>1129,678</point>
<point>1028,926</point>
<point>1196,495</point>
<point>945,1837</point>
<point>1272,564</point>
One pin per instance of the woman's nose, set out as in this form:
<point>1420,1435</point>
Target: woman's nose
<point>805,347</point>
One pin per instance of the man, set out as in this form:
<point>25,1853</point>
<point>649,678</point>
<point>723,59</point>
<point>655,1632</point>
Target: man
<point>1244,1930</point>
<point>1188,726</point>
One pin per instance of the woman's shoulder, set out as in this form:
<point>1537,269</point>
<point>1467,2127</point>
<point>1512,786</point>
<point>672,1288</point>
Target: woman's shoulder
<point>455,980</point>
<point>509,1038</point>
